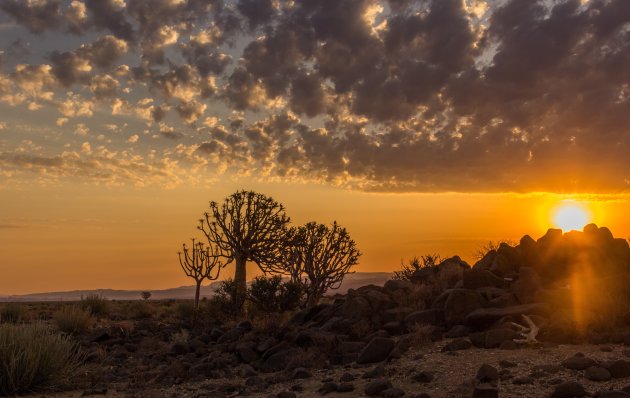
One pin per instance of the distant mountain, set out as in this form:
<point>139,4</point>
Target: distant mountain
<point>351,281</point>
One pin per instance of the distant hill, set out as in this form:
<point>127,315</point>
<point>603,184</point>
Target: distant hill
<point>351,281</point>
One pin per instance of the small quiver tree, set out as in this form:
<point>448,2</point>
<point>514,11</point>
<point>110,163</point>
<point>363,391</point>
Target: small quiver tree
<point>323,256</point>
<point>199,262</point>
<point>145,295</point>
<point>248,226</point>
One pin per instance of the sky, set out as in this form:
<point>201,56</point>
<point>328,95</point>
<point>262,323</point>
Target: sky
<point>426,126</point>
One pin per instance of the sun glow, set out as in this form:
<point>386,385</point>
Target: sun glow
<point>571,215</point>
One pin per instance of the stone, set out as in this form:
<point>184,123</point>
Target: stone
<point>377,350</point>
<point>246,353</point>
<point>507,364</point>
<point>577,362</point>
<point>375,387</point>
<point>457,331</point>
<point>345,387</point>
<point>230,336</point>
<point>597,373</point>
<point>611,394</point>
<point>392,393</point>
<point>286,394</point>
<point>569,389</point>
<point>423,377</point>
<point>328,387</point>
<point>378,371</point>
<point>279,360</point>
<point>523,380</point>
<point>247,371</point>
<point>495,337</point>
<point>301,373</point>
<point>476,278</point>
<point>485,317</point>
<point>459,304</point>
<point>484,390</point>
<point>487,374</point>
<point>619,369</point>
<point>457,345</point>
<point>346,377</point>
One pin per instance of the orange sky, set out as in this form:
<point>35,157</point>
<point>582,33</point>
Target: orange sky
<point>82,237</point>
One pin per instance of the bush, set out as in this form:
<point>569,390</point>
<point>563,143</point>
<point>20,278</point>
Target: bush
<point>73,319</point>
<point>185,310</point>
<point>272,295</point>
<point>31,357</point>
<point>11,313</point>
<point>225,298</point>
<point>140,310</point>
<point>95,304</point>
<point>414,264</point>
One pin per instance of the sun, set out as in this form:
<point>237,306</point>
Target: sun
<point>571,215</point>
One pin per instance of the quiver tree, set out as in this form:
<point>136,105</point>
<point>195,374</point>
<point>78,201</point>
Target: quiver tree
<point>199,263</point>
<point>247,226</point>
<point>322,256</point>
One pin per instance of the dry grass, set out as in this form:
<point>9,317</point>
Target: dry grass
<point>73,319</point>
<point>32,357</point>
<point>11,313</point>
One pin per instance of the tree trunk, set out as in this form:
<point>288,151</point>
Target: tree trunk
<point>197,295</point>
<point>240,279</point>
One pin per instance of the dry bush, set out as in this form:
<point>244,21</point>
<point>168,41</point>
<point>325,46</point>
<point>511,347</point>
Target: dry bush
<point>11,313</point>
<point>491,245</point>
<point>31,357</point>
<point>73,319</point>
<point>416,263</point>
<point>448,275</point>
<point>420,335</point>
<point>181,337</point>
<point>95,304</point>
<point>185,310</point>
<point>140,310</point>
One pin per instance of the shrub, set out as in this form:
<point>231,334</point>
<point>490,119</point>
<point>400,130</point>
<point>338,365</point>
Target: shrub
<point>414,264</point>
<point>145,295</point>
<point>226,299</point>
<point>490,246</point>
<point>95,304</point>
<point>140,310</point>
<point>11,313</point>
<point>31,357</point>
<point>73,319</point>
<point>185,310</point>
<point>272,295</point>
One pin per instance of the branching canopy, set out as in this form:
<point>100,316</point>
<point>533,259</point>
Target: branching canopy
<point>323,255</point>
<point>200,262</point>
<point>247,225</point>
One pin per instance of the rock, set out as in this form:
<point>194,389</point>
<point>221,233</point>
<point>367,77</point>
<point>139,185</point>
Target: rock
<point>526,286</point>
<point>611,394</point>
<point>378,371</point>
<point>246,353</point>
<point>508,345</point>
<point>231,336</point>
<point>328,387</point>
<point>301,373</point>
<point>396,314</point>
<point>425,317</point>
<point>422,395</point>
<point>254,381</point>
<point>495,337</point>
<point>247,371</point>
<point>215,334</point>
<point>392,393</point>
<point>279,360</point>
<point>245,325</point>
<point>457,331</point>
<point>507,364</point>
<point>523,380</point>
<point>502,266</point>
<point>487,374</point>
<point>350,347</point>
<point>484,390</point>
<point>457,345</point>
<point>347,377</point>
<point>484,317</point>
<point>597,373</point>
<point>460,303</point>
<point>423,377</point>
<point>486,261</point>
<point>569,389</point>
<point>394,285</point>
<point>619,369</point>
<point>478,339</point>
<point>95,391</point>
<point>377,350</point>
<point>578,362</point>
<point>375,387</point>
<point>179,349</point>
<point>286,394</point>
<point>345,387</point>
<point>476,278</point>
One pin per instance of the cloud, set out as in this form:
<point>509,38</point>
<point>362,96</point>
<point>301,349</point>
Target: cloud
<point>396,95</point>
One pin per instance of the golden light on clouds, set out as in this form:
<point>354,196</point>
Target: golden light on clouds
<point>571,215</point>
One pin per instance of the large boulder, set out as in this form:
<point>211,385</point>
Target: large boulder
<point>476,278</point>
<point>377,350</point>
<point>459,304</point>
<point>526,286</point>
<point>482,318</point>
<point>425,317</point>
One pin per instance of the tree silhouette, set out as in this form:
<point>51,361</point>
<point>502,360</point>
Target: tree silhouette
<point>199,263</point>
<point>323,256</point>
<point>248,226</point>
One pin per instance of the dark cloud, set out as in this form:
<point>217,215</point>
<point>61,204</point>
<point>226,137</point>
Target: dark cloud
<point>428,95</point>
<point>37,16</point>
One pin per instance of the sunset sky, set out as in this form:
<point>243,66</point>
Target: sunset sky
<point>426,126</point>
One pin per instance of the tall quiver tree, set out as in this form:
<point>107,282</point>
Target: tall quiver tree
<point>247,226</point>
<point>322,256</point>
<point>199,263</point>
